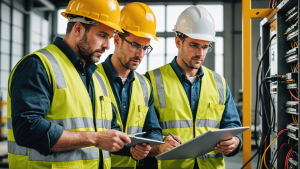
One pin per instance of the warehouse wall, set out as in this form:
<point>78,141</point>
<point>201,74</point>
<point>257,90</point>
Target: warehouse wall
<point>22,31</point>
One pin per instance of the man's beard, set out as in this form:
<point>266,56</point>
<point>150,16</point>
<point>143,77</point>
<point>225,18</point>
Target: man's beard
<point>127,64</point>
<point>189,63</point>
<point>85,50</point>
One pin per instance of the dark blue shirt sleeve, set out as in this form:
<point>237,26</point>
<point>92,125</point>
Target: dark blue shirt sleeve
<point>231,119</point>
<point>114,124</point>
<point>31,95</point>
<point>151,125</point>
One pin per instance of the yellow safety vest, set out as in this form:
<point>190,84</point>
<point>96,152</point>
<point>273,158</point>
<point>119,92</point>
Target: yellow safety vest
<point>137,112</point>
<point>175,114</point>
<point>70,109</point>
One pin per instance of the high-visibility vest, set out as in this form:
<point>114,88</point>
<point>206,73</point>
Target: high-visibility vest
<point>175,113</point>
<point>71,108</point>
<point>137,112</point>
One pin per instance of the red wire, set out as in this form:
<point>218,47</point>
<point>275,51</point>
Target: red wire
<point>283,145</point>
<point>266,142</point>
<point>286,166</point>
<point>293,95</point>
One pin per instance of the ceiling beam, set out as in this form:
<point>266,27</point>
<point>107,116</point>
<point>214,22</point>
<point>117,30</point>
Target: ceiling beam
<point>48,6</point>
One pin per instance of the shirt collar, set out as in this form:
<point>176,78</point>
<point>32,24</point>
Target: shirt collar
<point>70,53</point>
<point>179,71</point>
<point>111,73</point>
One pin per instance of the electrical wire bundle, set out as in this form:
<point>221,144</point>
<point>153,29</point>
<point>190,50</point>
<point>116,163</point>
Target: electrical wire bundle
<point>263,159</point>
<point>291,154</point>
<point>260,101</point>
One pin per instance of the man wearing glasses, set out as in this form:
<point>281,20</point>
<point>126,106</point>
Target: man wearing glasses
<point>191,99</point>
<point>131,92</point>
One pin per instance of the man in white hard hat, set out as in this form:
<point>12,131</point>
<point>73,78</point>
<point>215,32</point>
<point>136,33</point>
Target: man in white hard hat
<point>191,99</point>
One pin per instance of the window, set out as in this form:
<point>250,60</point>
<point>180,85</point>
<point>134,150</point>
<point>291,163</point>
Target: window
<point>61,23</point>
<point>157,56</point>
<point>173,12</point>
<point>219,55</point>
<point>217,12</point>
<point>159,12</point>
<point>165,49</point>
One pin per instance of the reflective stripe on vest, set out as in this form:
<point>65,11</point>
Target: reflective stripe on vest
<point>211,156</point>
<point>144,88</point>
<point>74,123</point>
<point>13,148</point>
<point>71,155</point>
<point>134,129</point>
<point>9,123</point>
<point>161,90</point>
<point>208,123</point>
<point>59,76</point>
<point>176,124</point>
<point>106,154</point>
<point>101,84</point>
<point>220,87</point>
<point>103,123</point>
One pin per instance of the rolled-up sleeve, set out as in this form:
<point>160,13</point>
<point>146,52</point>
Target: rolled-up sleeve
<point>231,119</point>
<point>31,95</point>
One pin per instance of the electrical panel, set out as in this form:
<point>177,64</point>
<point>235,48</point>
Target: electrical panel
<point>278,86</point>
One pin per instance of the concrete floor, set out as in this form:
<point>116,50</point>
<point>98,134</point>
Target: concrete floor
<point>236,162</point>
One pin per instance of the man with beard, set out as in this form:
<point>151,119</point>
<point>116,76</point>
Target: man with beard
<point>191,99</point>
<point>131,93</point>
<point>59,112</point>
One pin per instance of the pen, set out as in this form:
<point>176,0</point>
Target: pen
<point>139,133</point>
<point>174,137</point>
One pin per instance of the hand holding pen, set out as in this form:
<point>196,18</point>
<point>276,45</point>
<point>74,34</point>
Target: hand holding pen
<point>174,138</point>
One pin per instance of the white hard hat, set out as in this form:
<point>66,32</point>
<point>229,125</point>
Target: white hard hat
<point>197,23</point>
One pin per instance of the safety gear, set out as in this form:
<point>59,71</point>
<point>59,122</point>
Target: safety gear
<point>138,19</point>
<point>197,23</point>
<point>104,11</point>
<point>175,113</point>
<point>136,114</point>
<point>77,115</point>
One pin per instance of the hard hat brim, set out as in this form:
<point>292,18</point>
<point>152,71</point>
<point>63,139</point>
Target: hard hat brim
<point>201,37</point>
<point>143,35</point>
<point>112,25</point>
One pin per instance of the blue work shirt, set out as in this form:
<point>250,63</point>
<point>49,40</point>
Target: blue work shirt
<point>122,93</point>
<point>31,97</point>
<point>230,118</point>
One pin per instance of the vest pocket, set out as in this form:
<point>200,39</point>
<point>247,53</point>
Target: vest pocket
<point>216,111</point>
<point>143,110</point>
<point>67,165</point>
<point>106,109</point>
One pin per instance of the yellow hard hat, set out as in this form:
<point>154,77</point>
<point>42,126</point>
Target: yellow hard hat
<point>104,11</point>
<point>138,19</point>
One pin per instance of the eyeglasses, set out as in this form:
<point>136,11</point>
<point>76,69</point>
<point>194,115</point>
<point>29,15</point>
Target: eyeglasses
<point>196,47</point>
<point>136,47</point>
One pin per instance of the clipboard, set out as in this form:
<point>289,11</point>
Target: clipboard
<point>141,140</point>
<point>200,145</point>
